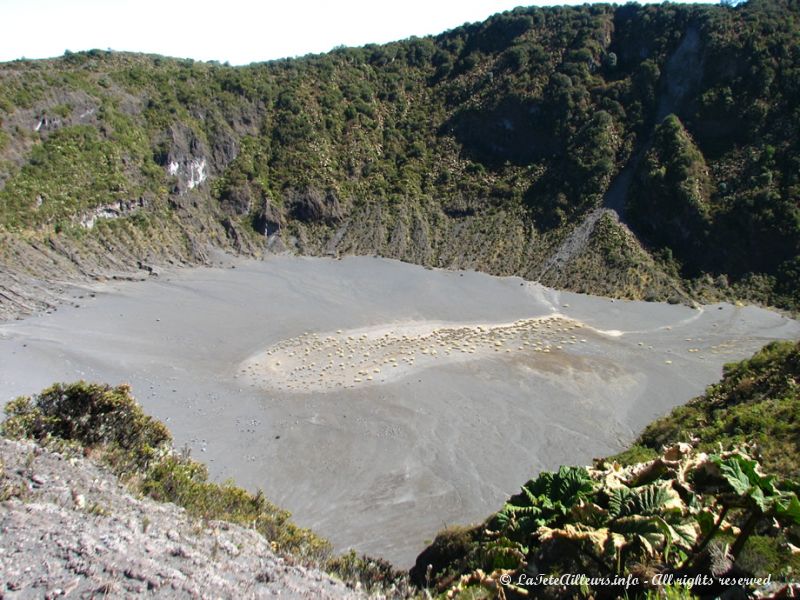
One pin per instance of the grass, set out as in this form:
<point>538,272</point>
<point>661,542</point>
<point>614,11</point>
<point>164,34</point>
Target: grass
<point>109,423</point>
<point>184,482</point>
<point>757,401</point>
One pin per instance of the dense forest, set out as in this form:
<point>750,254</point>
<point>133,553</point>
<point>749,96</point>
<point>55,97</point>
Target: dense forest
<point>635,151</point>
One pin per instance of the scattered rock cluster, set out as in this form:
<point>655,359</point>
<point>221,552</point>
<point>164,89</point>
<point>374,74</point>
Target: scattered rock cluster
<point>314,362</point>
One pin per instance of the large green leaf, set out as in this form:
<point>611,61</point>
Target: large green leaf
<point>684,533</point>
<point>761,501</point>
<point>544,501</point>
<point>570,484</point>
<point>648,531</point>
<point>504,553</point>
<point>739,472</point>
<point>706,520</point>
<point>653,499</point>
<point>618,499</point>
<point>788,507</point>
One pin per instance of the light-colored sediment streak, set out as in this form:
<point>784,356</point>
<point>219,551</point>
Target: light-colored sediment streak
<point>315,362</point>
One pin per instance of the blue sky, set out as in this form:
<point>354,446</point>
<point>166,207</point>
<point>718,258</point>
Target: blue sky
<point>226,30</point>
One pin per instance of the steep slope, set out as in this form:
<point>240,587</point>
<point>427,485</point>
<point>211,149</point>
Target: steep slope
<point>70,528</point>
<point>688,499</point>
<point>76,463</point>
<point>757,401</point>
<point>489,146</point>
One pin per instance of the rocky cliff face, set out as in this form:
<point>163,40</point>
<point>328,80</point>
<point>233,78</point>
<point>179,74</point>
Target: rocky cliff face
<point>70,528</point>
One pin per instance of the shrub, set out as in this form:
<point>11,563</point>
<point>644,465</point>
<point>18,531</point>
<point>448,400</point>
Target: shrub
<point>184,482</point>
<point>757,401</point>
<point>370,574</point>
<point>91,415</point>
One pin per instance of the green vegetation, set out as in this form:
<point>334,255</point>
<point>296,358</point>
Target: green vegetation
<point>372,575</point>
<point>757,401</point>
<point>669,204</point>
<point>664,506</point>
<point>482,146</point>
<point>93,416</point>
<point>688,498</point>
<point>108,423</point>
<point>73,170</point>
<point>184,482</point>
<point>682,514</point>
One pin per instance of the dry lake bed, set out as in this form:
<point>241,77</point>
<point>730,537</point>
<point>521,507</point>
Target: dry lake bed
<point>376,400</point>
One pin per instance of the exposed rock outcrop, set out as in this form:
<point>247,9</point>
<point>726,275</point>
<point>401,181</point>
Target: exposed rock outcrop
<point>314,206</point>
<point>70,527</point>
<point>184,156</point>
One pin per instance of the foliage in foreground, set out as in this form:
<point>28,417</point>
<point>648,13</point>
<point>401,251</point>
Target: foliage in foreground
<point>703,505</point>
<point>757,401</point>
<point>683,514</point>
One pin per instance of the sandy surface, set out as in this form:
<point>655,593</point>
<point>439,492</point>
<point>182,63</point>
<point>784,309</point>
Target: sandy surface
<point>496,379</point>
<point>324,362</point>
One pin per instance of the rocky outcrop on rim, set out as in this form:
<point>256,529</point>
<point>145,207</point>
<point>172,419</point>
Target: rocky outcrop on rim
<point>68,527</point>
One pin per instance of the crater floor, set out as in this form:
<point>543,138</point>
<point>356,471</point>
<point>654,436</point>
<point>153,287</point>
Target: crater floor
<point>376,400</point>
<point>349,359</point>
